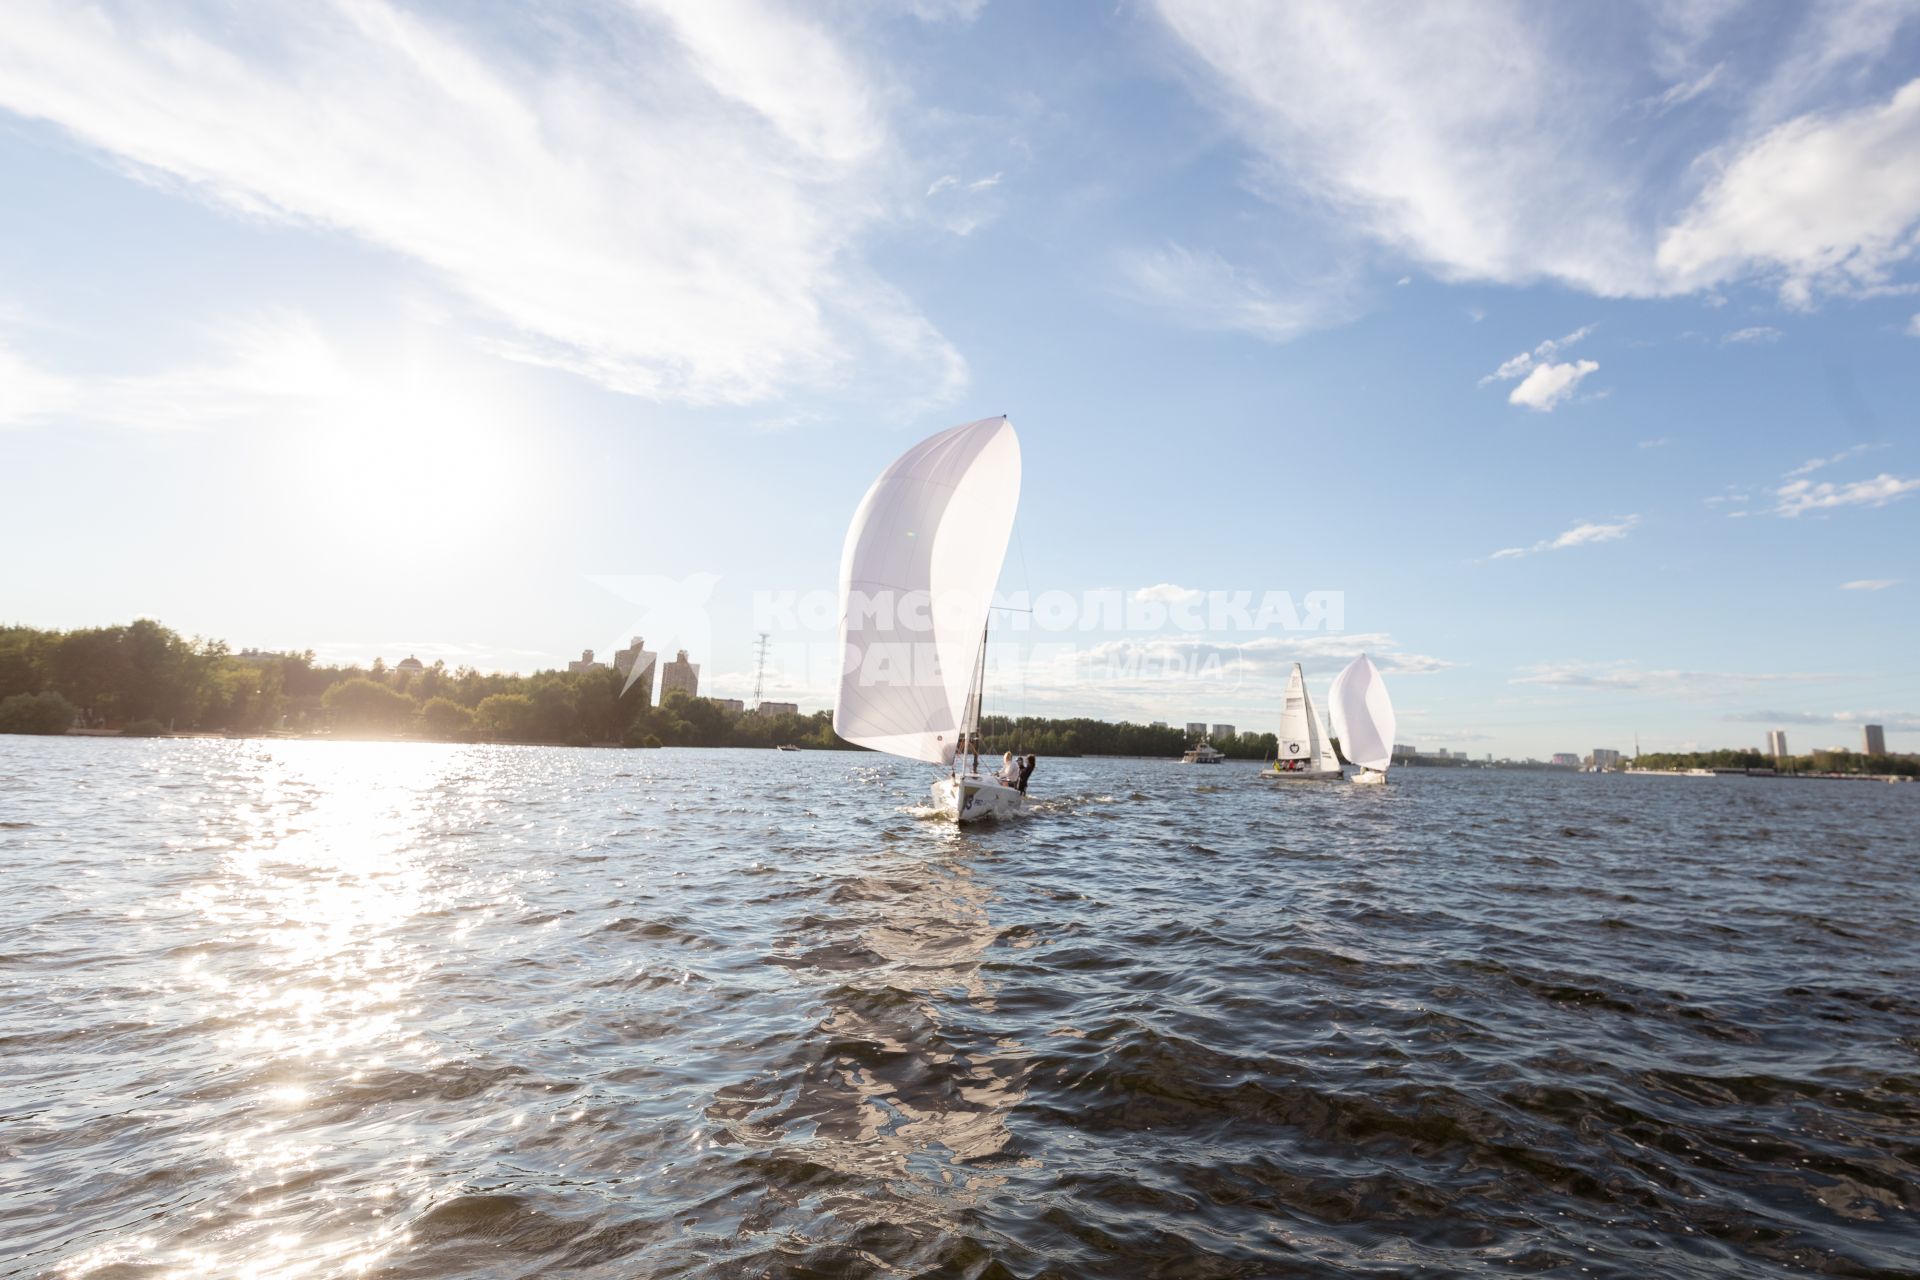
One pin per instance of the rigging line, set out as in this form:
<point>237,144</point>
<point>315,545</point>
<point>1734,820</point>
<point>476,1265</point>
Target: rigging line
<point>1026,584</point>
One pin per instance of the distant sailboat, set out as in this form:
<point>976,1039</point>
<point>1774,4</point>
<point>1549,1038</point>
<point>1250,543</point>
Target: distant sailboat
<point>1304,755</point>
<point>1363,719</point>
<point>916,582</point>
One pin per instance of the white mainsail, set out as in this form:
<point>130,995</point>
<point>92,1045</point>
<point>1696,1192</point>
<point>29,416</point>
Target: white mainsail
<point>916,580</point>
<point>1362,715</point>
<point>1300,735</point>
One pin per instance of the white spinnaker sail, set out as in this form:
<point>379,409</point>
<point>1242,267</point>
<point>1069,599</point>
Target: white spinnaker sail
<point>1362,715</point>
<point>916,579</point>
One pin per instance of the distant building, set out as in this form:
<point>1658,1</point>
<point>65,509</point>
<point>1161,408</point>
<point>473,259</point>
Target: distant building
<point>1196,728</point>
<point>586,663</point>
<point>410,666</point>
<point>1876,737</point>
<point>1604,758</point>
<point>255,656</point>
<point>1224,731</point>
<point>777,709</point>
<point>1405,749</point>
<point>1158,724</point>
<point>1565,759</point>
<point>625,661</point>
<point>1776,743</point>
<point>680,676</point>
<point>734,705</point>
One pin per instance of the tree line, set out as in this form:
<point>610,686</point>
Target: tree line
<point>1838,761</point>
<point>144,678</point>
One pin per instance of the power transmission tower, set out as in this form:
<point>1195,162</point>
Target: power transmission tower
<point>760,670</point>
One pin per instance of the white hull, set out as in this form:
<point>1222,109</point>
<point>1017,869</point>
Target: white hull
<point>1303,775</point>
<point>1370,778</point>
<point>971,798</point>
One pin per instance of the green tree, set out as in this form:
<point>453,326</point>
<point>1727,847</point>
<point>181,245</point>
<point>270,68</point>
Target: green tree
<point>446,719</point>
<point>41,713</point>
<point>507,717</point>
<point>364,704</point>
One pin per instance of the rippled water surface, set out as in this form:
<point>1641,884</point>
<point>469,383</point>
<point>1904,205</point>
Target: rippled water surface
<point>281,1009</point>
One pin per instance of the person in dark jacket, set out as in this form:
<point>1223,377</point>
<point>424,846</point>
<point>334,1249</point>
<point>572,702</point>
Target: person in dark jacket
<point>1026,771</point>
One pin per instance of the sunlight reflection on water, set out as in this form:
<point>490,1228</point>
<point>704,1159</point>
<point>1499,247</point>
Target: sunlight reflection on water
<point>289,1010</point>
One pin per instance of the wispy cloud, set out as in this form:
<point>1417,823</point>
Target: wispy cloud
<point>1870,584</point>
<point>1484,141</point>
<point>1802,496</point>
<point>1578,536</point>
<point>1759,333</point>
<point>1913,326</point>
<point>1203,290</point>
<point>1687,90</point>
<point>269,368</point>
<point>1658,442</point>
<point>1894,721</point>
<point>1815,464</point>
<point>676,216</point>
<point>1517,366</point>
<point>1627,677</point>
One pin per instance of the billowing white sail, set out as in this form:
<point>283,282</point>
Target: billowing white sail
<point>916,579</point>
<point>1362,715</point>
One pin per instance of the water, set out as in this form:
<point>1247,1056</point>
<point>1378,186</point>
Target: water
<point>320,1009</point>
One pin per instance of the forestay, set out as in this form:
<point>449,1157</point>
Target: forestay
<point>1362,715</point>
<point>916,580</point>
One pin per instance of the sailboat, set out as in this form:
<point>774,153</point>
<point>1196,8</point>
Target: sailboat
<point>916,583</point>
<point>1363,719</point>
<point>1305,755</point>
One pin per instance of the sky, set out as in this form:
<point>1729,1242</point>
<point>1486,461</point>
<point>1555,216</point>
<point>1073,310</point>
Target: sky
<point>1573,350</point>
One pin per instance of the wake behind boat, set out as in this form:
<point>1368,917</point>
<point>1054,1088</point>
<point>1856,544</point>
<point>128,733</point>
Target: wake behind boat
<point>916,583</point>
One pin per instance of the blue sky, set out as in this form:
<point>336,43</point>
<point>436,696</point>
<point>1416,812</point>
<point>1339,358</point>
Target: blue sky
<point>1577,346</point>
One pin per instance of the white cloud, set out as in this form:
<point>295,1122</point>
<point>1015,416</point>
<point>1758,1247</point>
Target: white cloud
<point>1893,721</point>
<point>1204,291</point>
<point>1485,141</point>
<point>1870,584</point>
<point>1802,496</point>
<point>28,393</point>
<point>1913,326</point>
<point>1658,442</point>
<point>1758,333</point>
<point>1687,90</point>
<point>1825,202</point>
<point>1628,677</point>
<point>1815,464</point>
<point>270,368</point>
<point>675,215</point>
<point>1168,593</point>
<point>1526,361</point>
<point>1579,535</point>
<point>1549,385</point>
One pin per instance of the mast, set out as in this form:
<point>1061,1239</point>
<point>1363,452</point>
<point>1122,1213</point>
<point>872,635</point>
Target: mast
<point>976,696</point>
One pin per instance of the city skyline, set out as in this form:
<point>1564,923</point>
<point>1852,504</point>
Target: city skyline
<point>1594,410</point>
